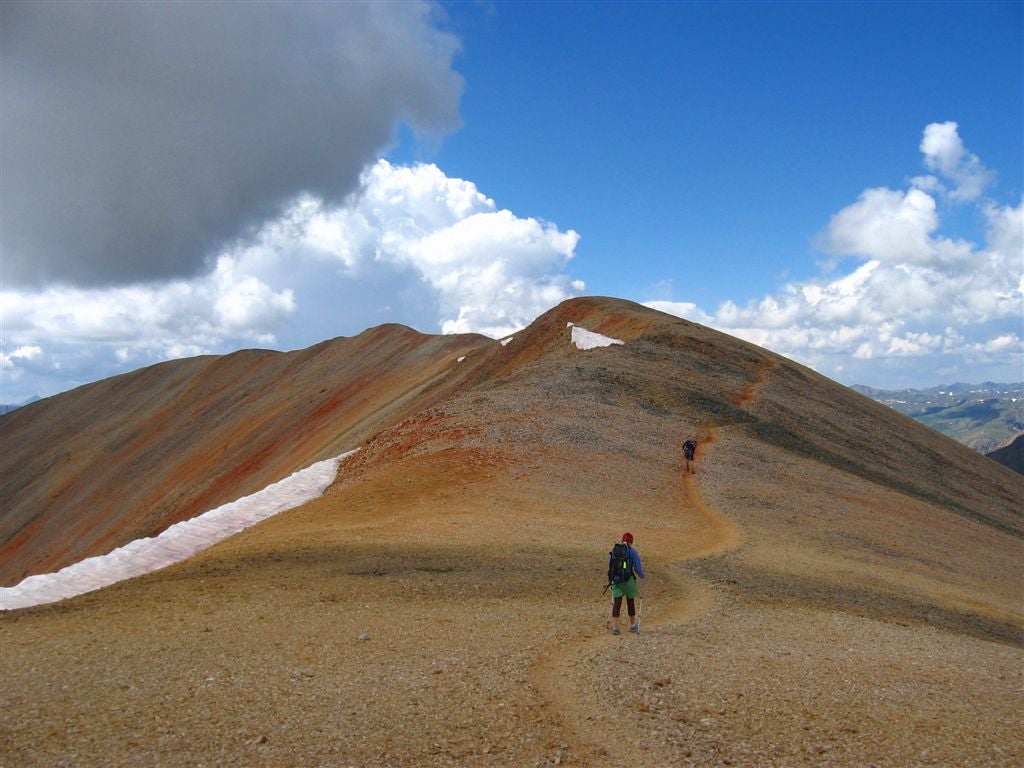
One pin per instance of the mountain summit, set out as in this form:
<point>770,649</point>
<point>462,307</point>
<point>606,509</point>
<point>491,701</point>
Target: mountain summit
<point>835,579</point>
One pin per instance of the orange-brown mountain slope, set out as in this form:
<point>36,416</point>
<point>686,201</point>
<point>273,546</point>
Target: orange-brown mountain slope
<point>92,469</point>
<point>584,439</point>
<point>835,584</point>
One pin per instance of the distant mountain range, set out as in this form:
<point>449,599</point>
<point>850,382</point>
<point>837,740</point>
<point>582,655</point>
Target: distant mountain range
<point>983,416</point>
<point>8,408</point>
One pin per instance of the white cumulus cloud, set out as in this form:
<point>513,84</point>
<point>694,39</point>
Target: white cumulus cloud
<point>917,304</point>
<point>11,366</point>
<point>410,245</point>
<point>884,224</point>
<point>480,268</point>
<point>944,153</point>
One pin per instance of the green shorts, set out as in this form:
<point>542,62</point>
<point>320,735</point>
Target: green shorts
<point>625,589</point>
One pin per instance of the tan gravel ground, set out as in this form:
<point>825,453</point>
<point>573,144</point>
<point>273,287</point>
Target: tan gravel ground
<point>749,684</point>
<point>373,653</point>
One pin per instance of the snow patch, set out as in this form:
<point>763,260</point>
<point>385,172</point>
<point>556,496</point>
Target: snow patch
<point>179,542</point>
<point>461,359</point>
<point>584,339</point>
<point>504,342</point>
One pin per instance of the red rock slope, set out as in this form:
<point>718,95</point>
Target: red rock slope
<point>92,469</point>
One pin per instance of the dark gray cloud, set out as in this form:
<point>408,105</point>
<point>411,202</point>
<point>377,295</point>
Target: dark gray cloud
<point>137,137</point>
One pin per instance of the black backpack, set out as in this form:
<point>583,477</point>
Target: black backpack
<point>620,565</point>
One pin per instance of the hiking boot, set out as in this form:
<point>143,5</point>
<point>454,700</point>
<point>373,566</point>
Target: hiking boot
<point>615,631</point>
<point>634,628</point>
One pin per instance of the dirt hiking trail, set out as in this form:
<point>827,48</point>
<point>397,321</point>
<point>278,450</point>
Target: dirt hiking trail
<point>682,599</point>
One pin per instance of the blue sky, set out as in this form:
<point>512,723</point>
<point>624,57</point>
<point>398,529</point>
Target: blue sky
<point>840,182</point>
<point>706,144</point>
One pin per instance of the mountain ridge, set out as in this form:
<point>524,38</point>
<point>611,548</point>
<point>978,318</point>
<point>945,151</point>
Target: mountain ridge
<point>206,429</point>
<point>208,387</point>
<point>835,580</point>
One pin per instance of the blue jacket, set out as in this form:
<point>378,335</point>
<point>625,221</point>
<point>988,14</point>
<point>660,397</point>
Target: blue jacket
<point>634,557</point>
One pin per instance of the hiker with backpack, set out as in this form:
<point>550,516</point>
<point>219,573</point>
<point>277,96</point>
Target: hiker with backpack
<point>623,569</point>
<point>689,451</point>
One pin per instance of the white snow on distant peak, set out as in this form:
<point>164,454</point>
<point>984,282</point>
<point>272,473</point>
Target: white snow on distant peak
<point>179,542</point>
<point>505,341</point>
<point>461,359</point>
<point>584,339</point>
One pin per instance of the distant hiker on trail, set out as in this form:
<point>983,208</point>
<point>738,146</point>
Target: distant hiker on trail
<point>689,450</point>
<point>623,568</point>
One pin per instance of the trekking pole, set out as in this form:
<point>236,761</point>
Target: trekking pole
<point>640,606</point>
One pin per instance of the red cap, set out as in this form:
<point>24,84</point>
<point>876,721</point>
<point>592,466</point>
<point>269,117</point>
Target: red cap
<point>627,537</point>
